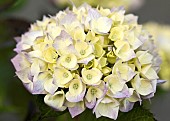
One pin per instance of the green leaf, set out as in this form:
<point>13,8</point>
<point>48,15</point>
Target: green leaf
<point>137,114</point>
<point>4,4</point>
<point>44,110</point>
<point>11,5</point>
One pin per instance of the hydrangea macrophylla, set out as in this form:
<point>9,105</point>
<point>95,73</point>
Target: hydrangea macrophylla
<point>88,58</point>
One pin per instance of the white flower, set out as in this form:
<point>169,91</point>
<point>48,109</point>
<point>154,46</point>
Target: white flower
<point>88,57</point>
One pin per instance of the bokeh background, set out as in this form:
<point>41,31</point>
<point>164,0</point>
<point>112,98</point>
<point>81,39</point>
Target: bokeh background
<point>16,15</point>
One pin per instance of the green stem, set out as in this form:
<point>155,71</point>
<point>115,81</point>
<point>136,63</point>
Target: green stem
<point>76,118</point>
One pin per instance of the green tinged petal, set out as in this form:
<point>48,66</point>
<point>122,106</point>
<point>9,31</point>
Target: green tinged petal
<point>91,76</point>
<point>56,100</point>
<point>50,55</point>
<point>62,76</point>
<point>69,61</point>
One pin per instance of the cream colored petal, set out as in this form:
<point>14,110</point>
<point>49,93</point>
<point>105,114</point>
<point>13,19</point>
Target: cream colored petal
<point>24,75</point>
<point>53,30</point>
<point>56,101</point>
<point>106,71</point>
<point>135,97</point>
<point>102,25</point>
<point>84,49</point>
<point>35,54</point>
<point>124,93</point>
<point>116,33</point>
<point>108,109</point>
<point>80,45</point>
<point>62,41</point>
<point>76,98</point>
<point>50,55</point>
<point>67,50</point>
<point>29,37</point>
<point>93,93</point>
<point>136,82</point>
<point>87,59</point>
<point>98,50</point>
<point>124,51</point>
<point>99,93</point>
<point>76,87</point>
<point>35,68</point>
<point>123,70</point>
<point>49,86</point>
<point>133,40</point>
<point>144,57</point>
<point>77,109</point>
<point>114,83</point>
<point>126,106</point>
<point>79,34</point>
<point>69,61</point>
<point>20,62</point>
<point>92,76</point>
<point>148,72</point>
<point>62,76</point>
<point>38,82</point>
<point>145,87</point>
<point>118,16</point>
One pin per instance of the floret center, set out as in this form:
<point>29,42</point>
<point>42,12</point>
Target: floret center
<point>68,59</point>
<point>75,86</point>
<point>82,52</point>
<point>93,91</point>
<point>65,75</point>
<point>89,76</point>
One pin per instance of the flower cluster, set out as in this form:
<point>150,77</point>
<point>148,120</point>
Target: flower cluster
<point>161,35</point>
<point>88,58</point>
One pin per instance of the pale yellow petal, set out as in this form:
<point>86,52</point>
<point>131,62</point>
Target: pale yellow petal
<point>56,101</point>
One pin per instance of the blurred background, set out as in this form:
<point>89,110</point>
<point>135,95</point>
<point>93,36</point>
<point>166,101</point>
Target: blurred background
<point>16,16</point>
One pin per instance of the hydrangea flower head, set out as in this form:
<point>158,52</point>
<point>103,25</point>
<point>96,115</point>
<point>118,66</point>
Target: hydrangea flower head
<point>88,57</point>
